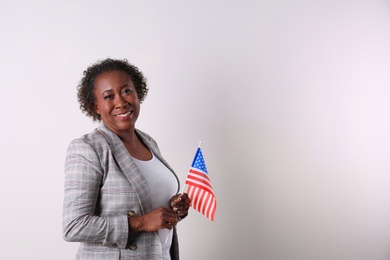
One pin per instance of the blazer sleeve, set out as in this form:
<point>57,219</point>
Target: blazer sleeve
<point>83,177</point>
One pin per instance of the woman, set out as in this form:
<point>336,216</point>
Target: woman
<point>119,198</point>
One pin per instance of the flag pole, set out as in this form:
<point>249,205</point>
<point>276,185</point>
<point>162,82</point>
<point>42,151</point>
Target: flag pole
<point>184,188</point>
<point>185,185</point>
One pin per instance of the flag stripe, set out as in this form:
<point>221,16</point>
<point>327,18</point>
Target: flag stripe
<point>191,194</point>
<point>199,180</point>
<point>200,187</point>
<point>198,183</point>
<point>197,170</point>
<point>200,177</point>
<point>196,197</point>
<point>206,203</point>
<point>199,200</point>
<point>213,209</point>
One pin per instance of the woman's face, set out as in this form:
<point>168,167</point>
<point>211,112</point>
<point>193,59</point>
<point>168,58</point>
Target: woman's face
<point>117,101</point>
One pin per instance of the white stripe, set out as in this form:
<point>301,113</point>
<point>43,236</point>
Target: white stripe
<point>199,176</point>
<point>190,191</point>
<point>199,202</point>
<point>203,185</point>
<point>199,170</point>
<point>205,196</point>
<point>207,204</point>
<point>211,208</point>
<point>200,183</point>
<point>196,192</point>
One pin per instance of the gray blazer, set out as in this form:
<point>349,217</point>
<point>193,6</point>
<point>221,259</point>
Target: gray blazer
<point>102,184</point>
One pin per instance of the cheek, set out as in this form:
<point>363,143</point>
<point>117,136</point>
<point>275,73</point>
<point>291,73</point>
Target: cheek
<point>101,107</point>
<point>133,100</point>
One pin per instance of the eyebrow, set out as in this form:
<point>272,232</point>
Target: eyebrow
<point>107,90</point>
<point>110,90</point>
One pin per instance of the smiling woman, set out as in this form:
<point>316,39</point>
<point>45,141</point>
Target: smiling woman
<point>114,202</point>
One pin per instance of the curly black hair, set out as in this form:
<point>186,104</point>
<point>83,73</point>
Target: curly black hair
<point>85,94</point>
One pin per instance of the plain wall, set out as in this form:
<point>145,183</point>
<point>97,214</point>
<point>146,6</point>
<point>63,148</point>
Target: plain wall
<point>289,98</point>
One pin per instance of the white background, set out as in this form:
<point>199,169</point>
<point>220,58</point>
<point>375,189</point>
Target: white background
<point>291,100</point>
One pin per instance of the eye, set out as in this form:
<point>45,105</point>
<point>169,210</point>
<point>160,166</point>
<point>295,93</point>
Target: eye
<point>109,96</point>
<point>127,91</point>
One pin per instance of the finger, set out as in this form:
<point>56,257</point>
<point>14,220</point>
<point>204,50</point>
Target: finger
<point>184,196</point>
<point>168,225</point>
<point>182,207</point>
<point>171,222</point>
<point>183,202</point>
<point>171,217</point>
<point>179,204</point>
<point>170,214</point>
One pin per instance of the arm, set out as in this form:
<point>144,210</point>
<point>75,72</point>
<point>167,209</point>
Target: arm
<point>153,221</point>
<point>83,177</point>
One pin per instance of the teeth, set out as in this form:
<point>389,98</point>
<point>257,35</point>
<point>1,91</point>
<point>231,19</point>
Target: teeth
<point>125,114</point>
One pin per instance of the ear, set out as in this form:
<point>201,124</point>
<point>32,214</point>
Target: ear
<point>97,110</point>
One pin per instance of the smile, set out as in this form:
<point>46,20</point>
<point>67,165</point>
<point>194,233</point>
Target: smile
<point>124,116</point>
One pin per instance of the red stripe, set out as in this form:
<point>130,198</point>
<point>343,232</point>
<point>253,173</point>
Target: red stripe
<point>206,183</point>
<point>205,203</point>
<point>214,207</point>
<point>201,193</point>
<point>195,198</point>
<point>200,187</point>
<point>200,200</point>
<point>199,173</point>
<point>199,176</point>
<point>200,184</point>
<point>191,194</point>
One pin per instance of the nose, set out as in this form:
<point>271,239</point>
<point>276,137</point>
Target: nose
<point>120,102</point>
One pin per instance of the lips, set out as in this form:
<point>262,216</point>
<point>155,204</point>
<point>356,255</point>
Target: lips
<point>124,116</point>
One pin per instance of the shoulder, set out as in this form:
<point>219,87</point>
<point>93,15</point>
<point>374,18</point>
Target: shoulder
<point>146,138</point>
<point>91,141</point>
<point>143,134</point>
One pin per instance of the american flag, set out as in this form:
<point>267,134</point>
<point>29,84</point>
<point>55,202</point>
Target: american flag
<point>199,187</point>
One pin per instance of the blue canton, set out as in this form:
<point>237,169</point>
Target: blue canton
<point>199,161</point>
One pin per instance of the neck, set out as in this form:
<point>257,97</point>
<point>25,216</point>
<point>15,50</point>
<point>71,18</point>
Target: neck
<point>135,147</point>
<point>129,138</point>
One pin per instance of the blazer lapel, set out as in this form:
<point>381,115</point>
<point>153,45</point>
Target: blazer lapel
<point>128,167</point>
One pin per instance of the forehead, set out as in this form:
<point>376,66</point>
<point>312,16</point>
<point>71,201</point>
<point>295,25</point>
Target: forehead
<point>112,79</point>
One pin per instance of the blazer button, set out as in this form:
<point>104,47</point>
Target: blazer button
<point>131,213</point>
<point>133,247</point>
<point>114,245</point>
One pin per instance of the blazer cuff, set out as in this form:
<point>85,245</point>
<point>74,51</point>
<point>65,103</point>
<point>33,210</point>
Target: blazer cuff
<point>117,231</point>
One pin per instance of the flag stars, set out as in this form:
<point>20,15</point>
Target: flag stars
<point>199,162</point>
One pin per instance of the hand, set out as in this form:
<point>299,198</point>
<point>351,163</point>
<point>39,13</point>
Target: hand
<point>180,203</point>
<point>154,220</point>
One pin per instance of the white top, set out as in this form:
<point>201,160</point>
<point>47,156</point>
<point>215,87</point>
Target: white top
<point>163,185</point>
